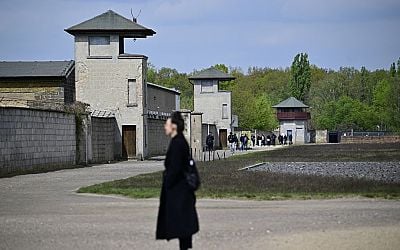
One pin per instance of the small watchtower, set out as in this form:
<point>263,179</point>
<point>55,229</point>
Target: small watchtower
<point>293,119</point>
<point>109,79</point>
<point>215,104</point>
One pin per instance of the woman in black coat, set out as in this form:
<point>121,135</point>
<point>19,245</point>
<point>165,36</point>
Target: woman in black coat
<point>177,216</point>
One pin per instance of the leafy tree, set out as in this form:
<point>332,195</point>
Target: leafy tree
<point>392,70</point>
<point>221,67</point>
<point>300,81</point>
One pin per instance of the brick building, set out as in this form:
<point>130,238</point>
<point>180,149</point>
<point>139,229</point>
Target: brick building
<point>44,84</point>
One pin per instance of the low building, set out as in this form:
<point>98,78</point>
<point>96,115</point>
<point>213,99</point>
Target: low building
<point>39,84</point>
<point>293,120</point>
<point>213,103</point>
<point>161,102</point>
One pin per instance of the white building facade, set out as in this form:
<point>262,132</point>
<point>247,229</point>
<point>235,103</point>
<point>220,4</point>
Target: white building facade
<point>213,103</point>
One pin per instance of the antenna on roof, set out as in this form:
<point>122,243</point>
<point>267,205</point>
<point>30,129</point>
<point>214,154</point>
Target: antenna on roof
<point>134,19</point>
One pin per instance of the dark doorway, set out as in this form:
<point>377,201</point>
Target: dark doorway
<point>334,137</point>
<point>129,141</point>
<point>223,138</point>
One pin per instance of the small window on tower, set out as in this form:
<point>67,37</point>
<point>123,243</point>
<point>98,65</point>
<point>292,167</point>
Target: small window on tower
<point>207,86</point>
<point>132,93</point>
<point>224,111</point>
<point>99,46</point>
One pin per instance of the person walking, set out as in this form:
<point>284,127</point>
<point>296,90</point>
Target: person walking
<point>177,215</point>
<point>290,137</point>
<point>273,139</point>
<point>210,142</point>
<point>231,140</point>
<point>284,139</point>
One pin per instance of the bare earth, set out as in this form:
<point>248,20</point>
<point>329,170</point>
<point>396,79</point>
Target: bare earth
<point>43,212</point>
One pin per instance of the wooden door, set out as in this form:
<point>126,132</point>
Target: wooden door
<point>129,141</point>
<point>223,138</point>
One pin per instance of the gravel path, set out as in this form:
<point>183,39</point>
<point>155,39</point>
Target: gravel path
<point>381,171</point>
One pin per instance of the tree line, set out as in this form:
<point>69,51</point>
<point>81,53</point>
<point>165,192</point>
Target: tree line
<point>343,99</point>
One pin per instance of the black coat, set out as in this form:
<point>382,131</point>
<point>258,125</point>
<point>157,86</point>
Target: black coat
<point>177,216</point>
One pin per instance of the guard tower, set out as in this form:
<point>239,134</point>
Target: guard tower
<point>293,119</point>
<point>215,104</point>
<point>111,80</point>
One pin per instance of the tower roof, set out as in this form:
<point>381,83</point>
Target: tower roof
<point>111,22</point>
<point>291,102</point>
<point>211,73</point>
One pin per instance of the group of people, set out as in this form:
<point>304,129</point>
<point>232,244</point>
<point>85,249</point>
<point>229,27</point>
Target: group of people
<point>244,142</point>
<point>234,142</point>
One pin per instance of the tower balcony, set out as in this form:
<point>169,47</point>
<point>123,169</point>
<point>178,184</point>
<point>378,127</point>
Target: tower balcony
<point>293,115</point>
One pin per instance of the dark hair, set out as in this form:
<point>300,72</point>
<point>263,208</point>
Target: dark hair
<point>176,118</point>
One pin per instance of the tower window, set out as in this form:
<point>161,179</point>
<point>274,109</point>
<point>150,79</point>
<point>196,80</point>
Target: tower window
<point>224,111</point>
<point>132,93</point>
<point>99,46</point>
<point>99,40</point>
<point>206,86</point>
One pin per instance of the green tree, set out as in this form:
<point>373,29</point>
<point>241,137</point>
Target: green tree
<point>392,70</point>
<point>300,81</point>
<point>221,67</point>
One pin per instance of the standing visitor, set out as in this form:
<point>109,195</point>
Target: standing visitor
<point>285,139</point>
<point>263,140</point>
<point>231,140</point>
<point>210,142</point>
<point>177,216</point>
<point>253,140</point>
<point>290,137</point>
<point>268,140</point>
<point>273,139</point>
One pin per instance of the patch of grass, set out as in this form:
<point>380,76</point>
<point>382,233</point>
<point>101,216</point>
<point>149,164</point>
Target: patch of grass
<point>221,179</point>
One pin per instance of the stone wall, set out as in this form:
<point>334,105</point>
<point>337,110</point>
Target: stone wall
<point>157,140</point>
<point>370,139</point>
<point>37,93</point>
<point>35,139</point>
<point>41,140</point>
<point>102,139</point>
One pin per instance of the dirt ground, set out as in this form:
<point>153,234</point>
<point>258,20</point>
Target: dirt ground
<point>42,211</point>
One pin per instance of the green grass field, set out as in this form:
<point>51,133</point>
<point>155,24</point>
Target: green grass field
<point>221,179</point>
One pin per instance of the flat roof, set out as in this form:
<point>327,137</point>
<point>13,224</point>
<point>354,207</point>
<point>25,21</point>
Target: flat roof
<point>163,88</point>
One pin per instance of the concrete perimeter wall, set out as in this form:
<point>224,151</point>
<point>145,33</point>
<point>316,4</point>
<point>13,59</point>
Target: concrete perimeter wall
<point>103,139</point>
<point>32,138</point>
<point>370,139</point>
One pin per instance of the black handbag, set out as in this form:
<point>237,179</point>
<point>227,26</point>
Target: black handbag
<point>192,175</point>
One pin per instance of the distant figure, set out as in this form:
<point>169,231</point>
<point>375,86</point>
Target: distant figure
<point>241,138</point>
<point>285,139</point>
<point>253,140</point>
<point>210,142</point>
<point>263,140</point>
<point>280,139</point>
<point>273,139</point>
<point>232,142</point>
<point>290,137</point>
<point>246,141</point>
<point>259,140</point>
<point>177,216</point>
<point>236,141</point>
<point>268,140</point>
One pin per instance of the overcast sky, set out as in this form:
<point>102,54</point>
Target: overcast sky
<point>194,34</point>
